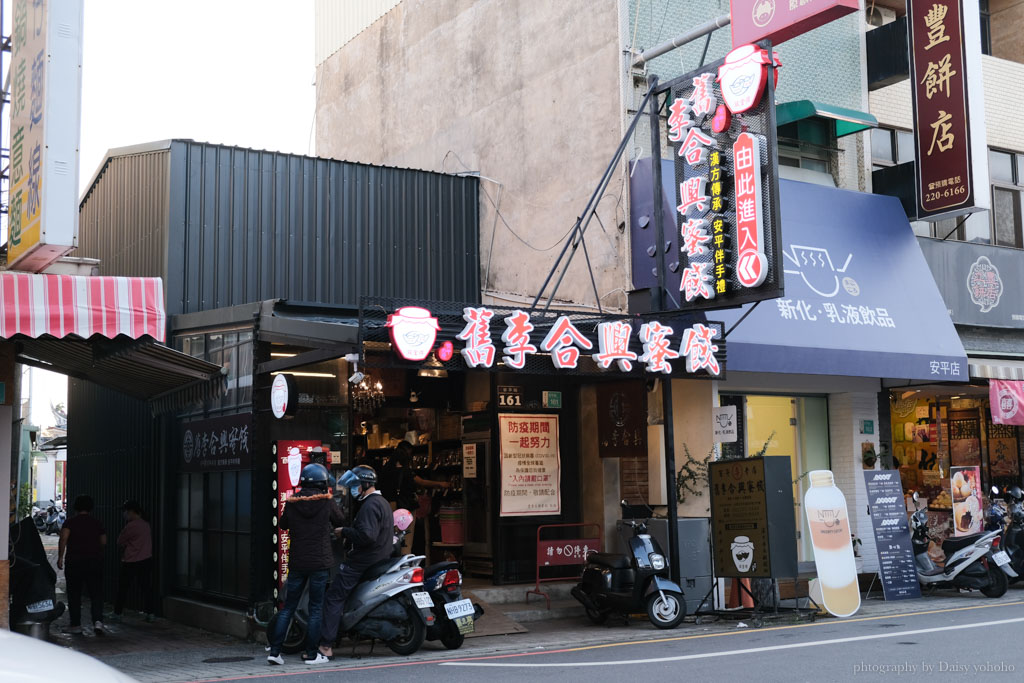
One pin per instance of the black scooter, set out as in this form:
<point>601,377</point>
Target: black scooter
<point>638,581</point>
<point>1012,541</point>
<point>34,603</point>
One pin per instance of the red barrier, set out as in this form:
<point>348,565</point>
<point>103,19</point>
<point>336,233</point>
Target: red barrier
<point>563,552</point>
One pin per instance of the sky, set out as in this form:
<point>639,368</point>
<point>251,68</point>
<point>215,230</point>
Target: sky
<point>236,72</point>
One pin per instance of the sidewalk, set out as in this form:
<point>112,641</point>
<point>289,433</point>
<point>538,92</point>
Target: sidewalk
<point>166,651</point>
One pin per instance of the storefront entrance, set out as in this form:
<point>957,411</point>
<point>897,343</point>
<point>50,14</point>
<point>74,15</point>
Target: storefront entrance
<point>793,426</point>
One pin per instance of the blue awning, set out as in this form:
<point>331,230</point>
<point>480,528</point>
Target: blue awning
<point>860,299</point>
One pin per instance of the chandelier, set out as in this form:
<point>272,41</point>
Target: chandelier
<point>366,397</point>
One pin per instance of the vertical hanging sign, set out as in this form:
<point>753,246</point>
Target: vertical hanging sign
<point>945,75</point>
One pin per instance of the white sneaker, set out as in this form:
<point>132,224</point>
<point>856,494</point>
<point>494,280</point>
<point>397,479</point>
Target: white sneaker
<point>319,659</point>
<point>275,659</point>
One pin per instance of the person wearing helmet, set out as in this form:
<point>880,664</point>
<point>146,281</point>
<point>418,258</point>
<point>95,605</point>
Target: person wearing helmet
<point>309,515</point>
<point>370,538</point>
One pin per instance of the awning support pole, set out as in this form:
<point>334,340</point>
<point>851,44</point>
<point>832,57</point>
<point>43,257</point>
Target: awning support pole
<point>742,318</point>
<point>689,36</point>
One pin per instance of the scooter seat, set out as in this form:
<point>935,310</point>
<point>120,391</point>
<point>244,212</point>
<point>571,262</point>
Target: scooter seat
<point>378,569</point>
<point>610,560</point>
<point>951,545</point>
<point>440,567</point>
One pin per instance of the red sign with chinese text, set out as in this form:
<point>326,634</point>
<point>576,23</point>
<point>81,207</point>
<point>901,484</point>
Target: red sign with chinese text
<point>752,266</point>
<point>941,117</point>
<point>530,464</point>
<point>290,457</point>
<point>780,20</point>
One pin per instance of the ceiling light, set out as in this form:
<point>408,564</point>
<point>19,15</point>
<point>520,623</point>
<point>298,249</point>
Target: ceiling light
<point>282,355</point>
<point>305,374</point>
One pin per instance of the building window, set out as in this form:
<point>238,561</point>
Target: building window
<point>1006,171</point>
<point>986,27</point>
<point>890,147</point>
<point>232,350</point>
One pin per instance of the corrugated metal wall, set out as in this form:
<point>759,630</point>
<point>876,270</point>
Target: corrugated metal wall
<point>336,23</point>
<point>248,225</point>
<point>114,454</point>
<point>123,219</point>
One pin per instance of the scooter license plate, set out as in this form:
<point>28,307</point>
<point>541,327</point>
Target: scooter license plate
<point>459,608</point>
<point>41,606</point>
<point>423,599</point>
<point>1001,558</point>
<point>465,624</point>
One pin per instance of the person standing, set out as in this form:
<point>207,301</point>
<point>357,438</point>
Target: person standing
<point>309,515</point>
<point>136,544</point>
<point>80,555</point>
<point>402,482</point>
<point>371,538</point>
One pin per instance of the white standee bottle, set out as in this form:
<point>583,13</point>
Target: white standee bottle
<point>829,522</point>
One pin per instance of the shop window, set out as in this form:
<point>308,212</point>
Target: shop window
<point>232,350</point>
<point>214,522</point>
<point>791,426</point>
<point>1005,227</point>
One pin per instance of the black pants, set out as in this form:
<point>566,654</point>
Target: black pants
<point>334,603</point>
<point>141,572</point>
<point>84,572</point>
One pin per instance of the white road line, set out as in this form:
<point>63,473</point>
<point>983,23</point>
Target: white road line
<point>751,650</point>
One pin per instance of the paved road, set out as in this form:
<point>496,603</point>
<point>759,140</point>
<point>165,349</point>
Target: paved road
<point>949,644</point>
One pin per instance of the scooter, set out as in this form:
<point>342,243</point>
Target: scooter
<point>1012,533</point>
<point>634,582</point>
<point>454,616</point>
<point>34,603</point>
<point>972,562</point>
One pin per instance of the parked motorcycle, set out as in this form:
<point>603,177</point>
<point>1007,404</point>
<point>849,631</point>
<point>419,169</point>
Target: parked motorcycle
<point>637,581</point>
<point>972,562</point>
<point>454,616</point>
<point>34,603</point>
<point>1012,539</point>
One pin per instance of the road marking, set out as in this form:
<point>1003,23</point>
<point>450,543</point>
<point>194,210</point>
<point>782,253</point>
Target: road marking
<point>516,655</point>
<point>751,650</point>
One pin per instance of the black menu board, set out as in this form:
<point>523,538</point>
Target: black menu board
<point>892,535</point>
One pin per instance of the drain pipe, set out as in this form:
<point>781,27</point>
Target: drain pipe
<point>702,30</point>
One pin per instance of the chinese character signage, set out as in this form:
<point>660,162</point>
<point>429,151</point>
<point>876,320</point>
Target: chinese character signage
<point>944,67</point>
<point>219,443</point>
<point>530,465</point>
<point>779,20</point>
<point>289,459</point>
<point>46,93</point>
<point>502,338</point>
<point>892,535</point>
<point>722,124</point>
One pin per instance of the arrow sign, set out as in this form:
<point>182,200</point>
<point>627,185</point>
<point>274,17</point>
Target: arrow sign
<point>751,266</point>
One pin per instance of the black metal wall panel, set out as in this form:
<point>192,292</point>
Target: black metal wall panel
<point>249,225</point>
<point>114,454</point>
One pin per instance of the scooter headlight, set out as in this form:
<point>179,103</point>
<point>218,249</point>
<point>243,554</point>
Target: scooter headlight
<point>657,561</point>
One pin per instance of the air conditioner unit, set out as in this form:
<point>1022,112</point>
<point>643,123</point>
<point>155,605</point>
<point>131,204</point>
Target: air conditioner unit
<point>879,16</point>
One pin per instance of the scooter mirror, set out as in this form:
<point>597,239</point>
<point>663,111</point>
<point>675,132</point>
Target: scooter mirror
<point>623,503</point>
<point>916,497</point>
<point>994,490</point>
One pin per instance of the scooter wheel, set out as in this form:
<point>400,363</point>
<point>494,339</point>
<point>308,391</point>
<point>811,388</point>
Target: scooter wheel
<point>413,634</point>
<point>452,639</point>
<point>597,616</point>
<point>997,582</point>
<point>295,639</point>
<point>668,612</point>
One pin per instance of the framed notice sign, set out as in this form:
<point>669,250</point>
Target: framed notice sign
<point>530,465</point>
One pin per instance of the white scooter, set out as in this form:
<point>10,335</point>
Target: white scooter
<point>971,561</point>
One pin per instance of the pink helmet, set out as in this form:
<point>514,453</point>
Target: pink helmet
<point>403,518</point>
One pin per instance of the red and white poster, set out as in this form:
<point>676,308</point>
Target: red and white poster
<point>1006,399</point>
<point>530,465</point>
<point>289,459</point>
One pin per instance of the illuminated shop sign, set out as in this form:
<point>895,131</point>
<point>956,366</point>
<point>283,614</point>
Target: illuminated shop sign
<point>721,121</point>
<point>496,338</point>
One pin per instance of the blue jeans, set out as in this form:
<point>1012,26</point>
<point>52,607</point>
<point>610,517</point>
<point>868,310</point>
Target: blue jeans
<point>297,580</point>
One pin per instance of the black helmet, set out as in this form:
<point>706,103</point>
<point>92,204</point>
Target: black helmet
<point>358,479</point>
<point>1016,493</point>
<point>314,476</point>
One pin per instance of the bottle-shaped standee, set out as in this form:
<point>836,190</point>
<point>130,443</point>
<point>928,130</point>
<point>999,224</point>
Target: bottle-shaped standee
<point>825,506</point>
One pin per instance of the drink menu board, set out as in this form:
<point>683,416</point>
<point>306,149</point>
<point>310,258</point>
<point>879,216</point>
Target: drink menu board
<point>896,566</point>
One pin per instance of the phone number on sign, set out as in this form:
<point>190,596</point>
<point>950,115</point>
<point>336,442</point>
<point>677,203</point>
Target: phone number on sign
<point>945,194</point>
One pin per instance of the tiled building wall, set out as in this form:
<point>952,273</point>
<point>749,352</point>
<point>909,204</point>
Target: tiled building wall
<point>845,413</point>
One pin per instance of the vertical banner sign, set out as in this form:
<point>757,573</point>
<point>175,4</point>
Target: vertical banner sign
<point>965,485</point>
<point>722,123</point>
<point>289,459</point>
<point>739,519</point>
<point>530,465</point>
<point>944,65</point>
<point>46,96</point>
<point>892,535</point>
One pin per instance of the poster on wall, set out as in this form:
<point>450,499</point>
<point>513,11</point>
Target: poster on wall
<point>289,459</point>
<point>965,442</point>
<point>530,465</point>
<point>965,485</point>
